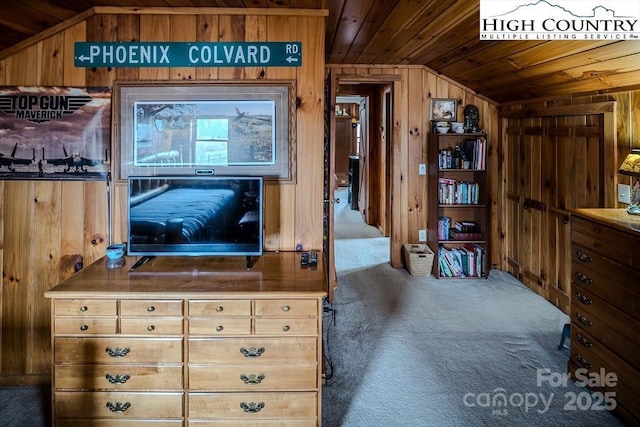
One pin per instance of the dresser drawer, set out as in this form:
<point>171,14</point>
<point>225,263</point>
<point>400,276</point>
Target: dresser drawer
<point>603,328</point>
<point>585,301</point>
<point>253,350</point>
<point>286,326</point>
<point>118,423</point>
<point>620,295</point>
<point>103,377</point>
<point>220,308</point>
<point>300,422</point>
<point>286,307</point>
<point>616,272</point>
<point>220,326</point>
<point>150,308</point>
<point>117,350</point>
<point>241,407</point>
<point>601,232</point>
<point>151,325</point>
<point>88,307</point>
<point>119,405</point>
<point>253,378</point>
<point>598,357</point>
<point>85,325</point>
<point>610,249</point>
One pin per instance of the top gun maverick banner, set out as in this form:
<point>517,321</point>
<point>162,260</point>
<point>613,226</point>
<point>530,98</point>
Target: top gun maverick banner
<point>54,132</point>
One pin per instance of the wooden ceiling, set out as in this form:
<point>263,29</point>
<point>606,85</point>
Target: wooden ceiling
<point>442,35</point>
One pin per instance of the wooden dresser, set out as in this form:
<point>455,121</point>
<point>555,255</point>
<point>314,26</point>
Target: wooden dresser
<point>605,303</point>
<point>189,341</point>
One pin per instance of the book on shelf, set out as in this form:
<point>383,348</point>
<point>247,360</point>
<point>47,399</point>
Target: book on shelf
<point>471,150</point>
<point>461,235</point>
<point>467,226</point>
<point>444,226</point>
<point>452,192</point>
<point>452,263</point>
<point>464,261</point>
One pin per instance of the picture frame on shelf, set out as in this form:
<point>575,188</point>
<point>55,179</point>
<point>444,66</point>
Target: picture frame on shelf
<point>444,110</point>
<point>214,128</point>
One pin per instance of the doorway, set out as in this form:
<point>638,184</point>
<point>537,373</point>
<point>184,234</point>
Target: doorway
<point>367,109</point>
<point>367,121</point>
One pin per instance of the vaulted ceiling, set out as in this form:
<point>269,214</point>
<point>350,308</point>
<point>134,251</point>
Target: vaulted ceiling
<point>442,35</point>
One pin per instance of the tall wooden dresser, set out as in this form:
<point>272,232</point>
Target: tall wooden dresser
<point>189,341</point>
<point>605,304</point>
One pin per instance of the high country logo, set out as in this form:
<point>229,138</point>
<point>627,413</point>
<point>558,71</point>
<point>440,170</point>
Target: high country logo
<point>559,20</point>
<point>42,108</point>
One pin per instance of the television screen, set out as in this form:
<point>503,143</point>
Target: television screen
<point>199,215</point>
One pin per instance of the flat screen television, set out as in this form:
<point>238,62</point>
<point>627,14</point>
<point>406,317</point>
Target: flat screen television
<point>193,216</point>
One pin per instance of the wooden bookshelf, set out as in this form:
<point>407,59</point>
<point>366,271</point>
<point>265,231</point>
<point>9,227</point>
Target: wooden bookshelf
<point>458,191</point>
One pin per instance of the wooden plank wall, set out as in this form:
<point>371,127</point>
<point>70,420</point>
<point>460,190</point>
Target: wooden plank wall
<point>411,125</point>
<point>48,227</point>
<point>571,162</point>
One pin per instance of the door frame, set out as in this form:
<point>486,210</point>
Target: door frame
<point>393,224</point>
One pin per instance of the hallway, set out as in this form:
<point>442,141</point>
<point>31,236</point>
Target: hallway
<point>350,230</point>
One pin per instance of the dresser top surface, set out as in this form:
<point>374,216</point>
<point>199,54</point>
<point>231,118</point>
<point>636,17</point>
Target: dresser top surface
<point>617,218</point>
<point>276,274</point>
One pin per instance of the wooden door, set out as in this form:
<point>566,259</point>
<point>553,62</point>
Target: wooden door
<point>330,184</point>
<point>553,164</point>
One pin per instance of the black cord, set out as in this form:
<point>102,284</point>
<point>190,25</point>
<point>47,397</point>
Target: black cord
<point>330,313</point>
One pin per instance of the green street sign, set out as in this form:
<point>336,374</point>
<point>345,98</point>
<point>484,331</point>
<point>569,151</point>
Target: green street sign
<point>187,54</point>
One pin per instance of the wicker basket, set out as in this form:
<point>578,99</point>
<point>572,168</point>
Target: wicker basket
<point>418,259</point>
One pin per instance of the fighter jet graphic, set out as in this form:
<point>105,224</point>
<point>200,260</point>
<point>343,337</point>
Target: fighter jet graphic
<point>74,161</point>
<point>9,161</point>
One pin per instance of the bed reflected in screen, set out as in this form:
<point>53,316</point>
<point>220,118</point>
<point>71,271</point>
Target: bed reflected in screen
<point>200,215</point>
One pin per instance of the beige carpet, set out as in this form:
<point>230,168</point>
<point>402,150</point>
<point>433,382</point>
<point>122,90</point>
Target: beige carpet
<point>417,351</point>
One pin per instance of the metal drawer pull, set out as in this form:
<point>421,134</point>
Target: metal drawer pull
<point>286,328</point>
<point>582,340</point>
<point>252,351</point>
<point>583,299</point>
<point>583,278</point>
<point>118,407</point>
<point>117,352</point>
<point>150,328</point>
<point>252,378</point>
<point>582,361</point>
<point>286,308</point>
<point>219,328</point>
<point>252,406</point>
<point>151,309</point>
<point>219,308</point>
<point>583,320</point>
<point>582,257</point>
<point>84,328</point>
<point>83,308</point>
<point>117,378</point>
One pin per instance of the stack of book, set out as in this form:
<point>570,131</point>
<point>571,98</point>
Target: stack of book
<point>466,230</point>
<point>463,261</point>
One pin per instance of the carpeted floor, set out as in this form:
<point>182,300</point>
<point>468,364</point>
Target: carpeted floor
<point>417,351</point>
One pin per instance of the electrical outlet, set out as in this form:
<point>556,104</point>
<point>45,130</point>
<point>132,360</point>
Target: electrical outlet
<point>422,235</point>
<point>422,169</point>
<point>624,193</point>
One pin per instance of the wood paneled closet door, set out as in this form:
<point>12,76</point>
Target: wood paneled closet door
<point>553,164</point>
